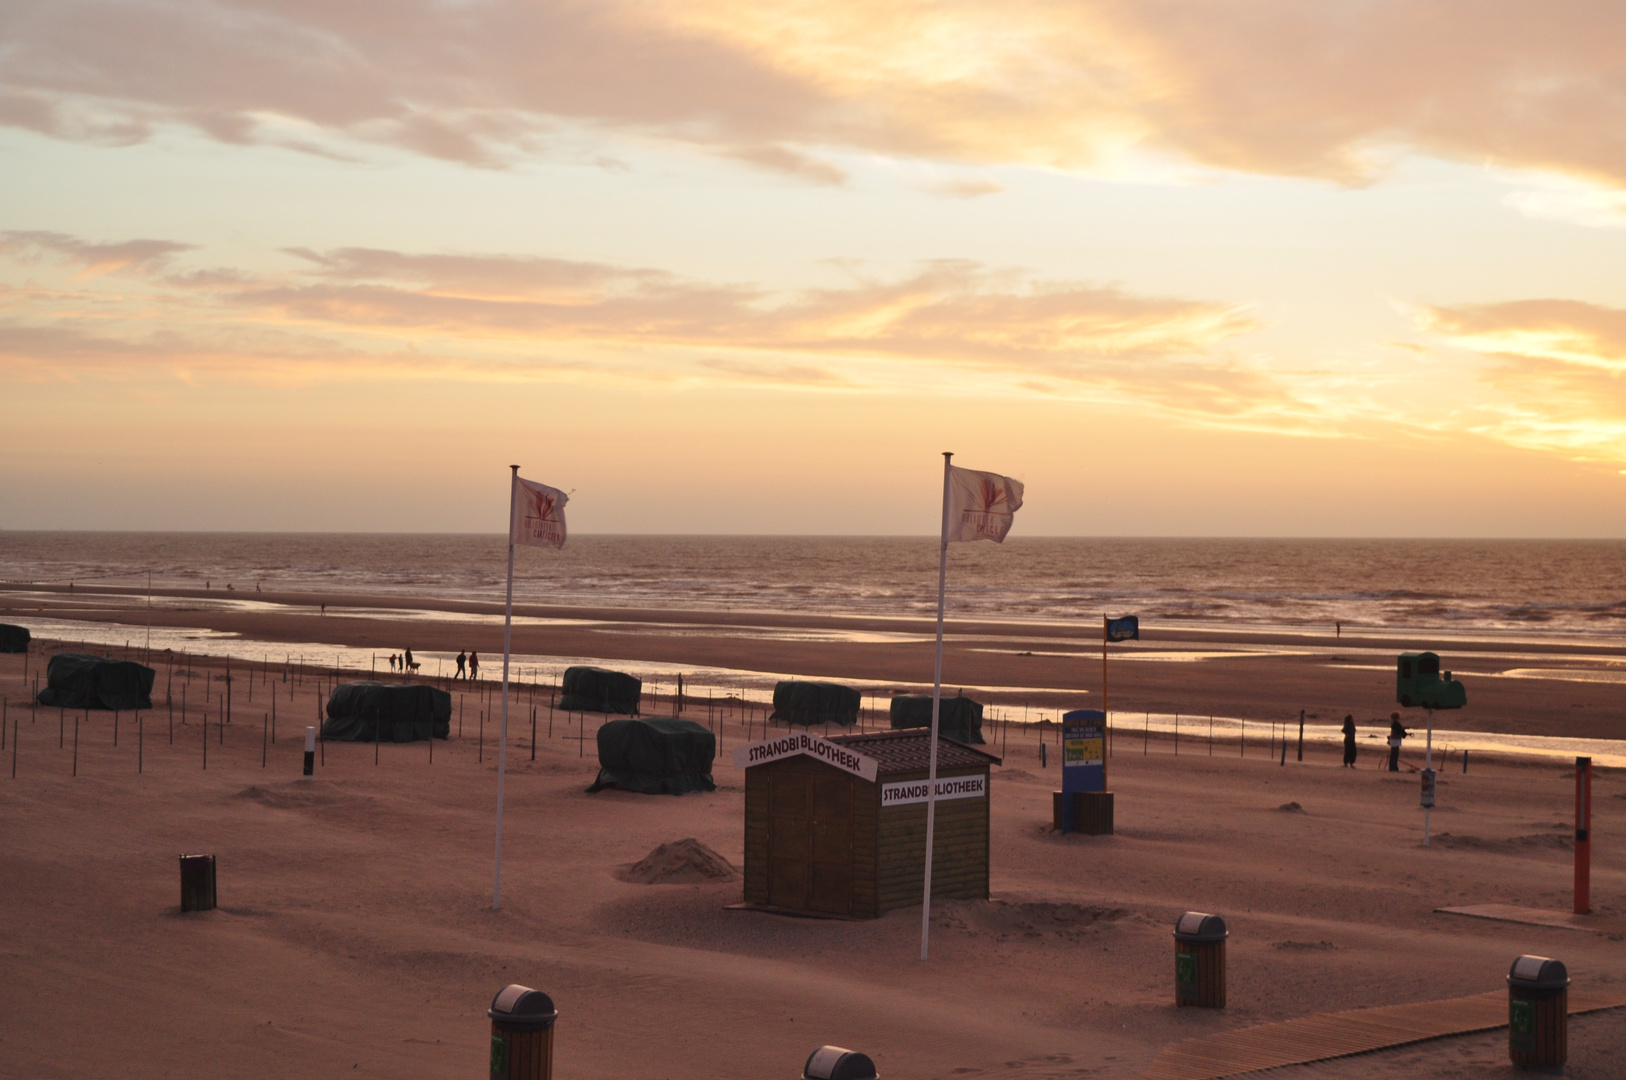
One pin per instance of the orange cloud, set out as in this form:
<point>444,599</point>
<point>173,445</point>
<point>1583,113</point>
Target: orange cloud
<point>1291,87</point>
<point>1563,331</point>
<point>1558,366</point>
<point>511,316</point>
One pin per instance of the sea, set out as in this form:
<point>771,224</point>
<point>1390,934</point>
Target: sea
<point>1514,589</point>
<point>1493,591</point>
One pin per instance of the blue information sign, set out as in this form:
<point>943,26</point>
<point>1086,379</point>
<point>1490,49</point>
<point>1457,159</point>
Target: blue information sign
<point>1083,757</point>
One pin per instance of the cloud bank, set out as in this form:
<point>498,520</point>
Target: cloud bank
<point>1331,90</point>
<point>350,311</point>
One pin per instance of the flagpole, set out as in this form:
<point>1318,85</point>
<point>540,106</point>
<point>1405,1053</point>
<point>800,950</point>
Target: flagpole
<point>1106,717</point>
<point>937,698</point>
<point>507,641</point>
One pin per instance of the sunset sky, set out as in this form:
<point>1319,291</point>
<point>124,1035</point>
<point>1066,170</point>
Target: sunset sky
<point>1250,268</point>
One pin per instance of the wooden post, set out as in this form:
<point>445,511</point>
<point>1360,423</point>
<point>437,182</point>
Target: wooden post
<point>1583,835</point>
<point>1301,734</point>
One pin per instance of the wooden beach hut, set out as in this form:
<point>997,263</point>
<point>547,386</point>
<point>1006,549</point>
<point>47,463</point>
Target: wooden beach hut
<point>837,826</point>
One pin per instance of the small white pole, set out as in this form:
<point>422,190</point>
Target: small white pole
<point>507,639</point>
<point>937,696</point>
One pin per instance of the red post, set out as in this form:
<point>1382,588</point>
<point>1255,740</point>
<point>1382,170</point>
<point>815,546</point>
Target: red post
<point>1583,835</point>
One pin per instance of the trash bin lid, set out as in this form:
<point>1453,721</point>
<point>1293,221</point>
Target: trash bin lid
<point>1538,973</point>
<point>1198,927</point>
<point>838,1063</point>
<point>522,1006</point>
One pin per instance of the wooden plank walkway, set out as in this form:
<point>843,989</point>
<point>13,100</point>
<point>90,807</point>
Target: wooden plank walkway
<point>1341,1034</point>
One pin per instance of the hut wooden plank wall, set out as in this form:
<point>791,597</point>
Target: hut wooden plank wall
<point>819,839</point>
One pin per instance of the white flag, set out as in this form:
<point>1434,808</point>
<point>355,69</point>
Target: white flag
<point>538,516</point>
<point>981,505</point>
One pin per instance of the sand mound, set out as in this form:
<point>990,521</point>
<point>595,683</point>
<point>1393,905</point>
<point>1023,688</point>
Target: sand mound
<point>1032,919</point>
<point>298,795</point>
<point>1291,808</point>
<point>683,862</point>
<point>1534,841</point>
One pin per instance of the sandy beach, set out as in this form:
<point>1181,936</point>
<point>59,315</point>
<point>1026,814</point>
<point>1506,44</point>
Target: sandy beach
<point>355,931</point>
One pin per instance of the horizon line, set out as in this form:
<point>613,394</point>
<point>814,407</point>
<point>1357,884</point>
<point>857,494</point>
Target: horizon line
<point>822,536</point>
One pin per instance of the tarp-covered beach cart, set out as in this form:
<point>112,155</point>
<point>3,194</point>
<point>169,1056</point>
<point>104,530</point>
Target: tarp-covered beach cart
<point>387,712</point>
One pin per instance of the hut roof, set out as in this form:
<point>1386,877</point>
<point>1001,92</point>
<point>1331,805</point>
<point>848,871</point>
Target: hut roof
<point>910,749</point>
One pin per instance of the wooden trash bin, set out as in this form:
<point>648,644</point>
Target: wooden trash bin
<point>1538,1013</point>
<point>1199,960</point>
<point>838,1063</point>
<point>197,882</point>
<point>521,1034</point>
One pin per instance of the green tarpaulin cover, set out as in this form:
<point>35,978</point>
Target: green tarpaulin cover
<point>813,703</point>
<point>13,638</point>
<point>958,718</point>
<point>656,757</point>
<point>80,681</point>
<point>596,689</point>
<point>387,712</point>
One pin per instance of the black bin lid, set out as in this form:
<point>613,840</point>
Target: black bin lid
<point>1538,973</point>
<point>838,1063</point>
<point>1199,927</point>
<point>521,1006</point>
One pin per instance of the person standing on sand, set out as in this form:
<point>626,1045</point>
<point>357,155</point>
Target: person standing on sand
<point>474,665</point>
<point>1349,741</point>
<point>1397,735</point>
<point>1339,628</point>
<point>406,661</point>
<point>462,661</point>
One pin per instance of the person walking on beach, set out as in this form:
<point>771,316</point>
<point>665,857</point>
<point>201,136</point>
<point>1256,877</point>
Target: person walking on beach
<point>406,661</point>
<point>1397,735</point>
<point>474,665</point>
<point>1349,741</point>
<point>1339,628</point>
<point>462,661</point>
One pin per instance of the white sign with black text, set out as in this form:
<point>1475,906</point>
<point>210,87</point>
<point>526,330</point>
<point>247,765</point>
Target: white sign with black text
<point>948,787</point>
<point>801,742</point>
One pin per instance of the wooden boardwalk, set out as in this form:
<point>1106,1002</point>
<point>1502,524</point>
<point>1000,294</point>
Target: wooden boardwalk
<point>1341,1034</point>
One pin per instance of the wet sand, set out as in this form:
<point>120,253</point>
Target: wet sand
<point>1536,687</point>
<point>356,937</point>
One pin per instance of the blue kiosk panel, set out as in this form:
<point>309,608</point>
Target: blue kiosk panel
<point>1083,757</point>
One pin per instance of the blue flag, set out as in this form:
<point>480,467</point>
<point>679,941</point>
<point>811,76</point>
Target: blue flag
<point>1124,628</point>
